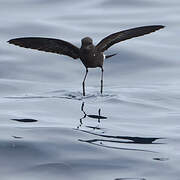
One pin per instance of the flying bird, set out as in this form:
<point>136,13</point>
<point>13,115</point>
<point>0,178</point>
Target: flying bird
<point>91,55</point>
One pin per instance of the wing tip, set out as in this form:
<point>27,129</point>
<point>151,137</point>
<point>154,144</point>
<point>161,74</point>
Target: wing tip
<point>153,27</point>
<point>11,41</point>
<point>161,26</point>
<point>158,27</point>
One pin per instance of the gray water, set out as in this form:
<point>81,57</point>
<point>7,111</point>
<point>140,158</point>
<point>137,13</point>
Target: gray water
<point>49,131</point>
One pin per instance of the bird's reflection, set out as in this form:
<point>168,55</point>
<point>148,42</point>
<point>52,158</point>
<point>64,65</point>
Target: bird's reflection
<point>109,141</point>
<point>93,116</point>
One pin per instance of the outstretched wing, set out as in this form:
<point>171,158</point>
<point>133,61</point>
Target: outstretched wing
<point>47,44</point>
<point>112,39</point>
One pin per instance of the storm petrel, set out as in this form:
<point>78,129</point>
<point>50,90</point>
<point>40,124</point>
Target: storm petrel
<point>91,55</point>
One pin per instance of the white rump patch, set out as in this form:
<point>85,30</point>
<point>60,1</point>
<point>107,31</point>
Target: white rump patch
<point>104,56</point>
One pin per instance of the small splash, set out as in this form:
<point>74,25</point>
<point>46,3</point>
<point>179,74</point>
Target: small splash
<point>73,95</point>
<point>77,95</point>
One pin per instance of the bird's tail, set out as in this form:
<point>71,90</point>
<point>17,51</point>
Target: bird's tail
<point>108,56</point>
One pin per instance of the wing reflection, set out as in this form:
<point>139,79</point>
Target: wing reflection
<point>111,141</point>
<point>135,140</point>
<point>25,120</point>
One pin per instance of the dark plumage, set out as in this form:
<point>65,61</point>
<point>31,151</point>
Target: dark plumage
<point>91,56</point>
<point>48,45</point>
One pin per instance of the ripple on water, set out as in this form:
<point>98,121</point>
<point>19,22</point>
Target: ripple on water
<point>74,95</point>
<point>130,179</point>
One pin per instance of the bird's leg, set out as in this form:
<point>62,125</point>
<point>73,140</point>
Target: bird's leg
<point>81,119</point>
<point>84,82</point>
<point>99,112</point>
<point>102,70</point>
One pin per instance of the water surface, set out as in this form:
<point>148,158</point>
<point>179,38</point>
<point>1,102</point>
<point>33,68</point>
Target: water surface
<point>49,130</point>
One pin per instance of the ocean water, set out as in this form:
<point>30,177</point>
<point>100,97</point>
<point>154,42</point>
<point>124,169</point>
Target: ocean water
<point>49,131</point>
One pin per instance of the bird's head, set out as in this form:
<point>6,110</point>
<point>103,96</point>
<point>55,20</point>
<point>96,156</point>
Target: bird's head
<point>86,41</point>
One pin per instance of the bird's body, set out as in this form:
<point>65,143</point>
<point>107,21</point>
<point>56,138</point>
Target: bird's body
<point>91,55</point>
